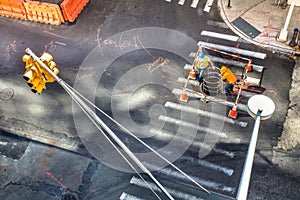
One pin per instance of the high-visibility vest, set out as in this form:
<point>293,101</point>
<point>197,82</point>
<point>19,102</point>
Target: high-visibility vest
<point>229,76</point>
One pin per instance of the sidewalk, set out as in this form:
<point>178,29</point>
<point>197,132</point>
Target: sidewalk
<point>260,22</point>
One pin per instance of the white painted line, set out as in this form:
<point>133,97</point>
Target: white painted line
<point>208,5</point>
<point>168,0</point>
<point>175,193</point>
<point>194,3</point>
<point>220,36</point>
<point>205,183</point>
<point>203,113</point>
<point>181,2</point>
<point>191,125</point>
<point>3,143</point>
<point>167,136</point>
<point>125,196</point>
<point>210,165</point>
<point>215,23</point>
<point>183,80</point>
<point>234,50</point>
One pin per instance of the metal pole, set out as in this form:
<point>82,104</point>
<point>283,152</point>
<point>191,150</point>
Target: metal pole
<point>93,115</point>
<point>246,175</point>
<point>228,5</point>
<point>284,32</point>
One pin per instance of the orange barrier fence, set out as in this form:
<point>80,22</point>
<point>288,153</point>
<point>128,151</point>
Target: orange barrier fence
<point>13,8</point>
<point>43,12</point>
<point>72,8</point>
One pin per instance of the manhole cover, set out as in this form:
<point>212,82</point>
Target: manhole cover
<point>6,94</point>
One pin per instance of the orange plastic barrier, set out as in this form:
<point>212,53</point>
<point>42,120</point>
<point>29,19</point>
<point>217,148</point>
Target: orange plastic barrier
<point>43,12</point>
<point>13,8</point>
<point>72,8</point>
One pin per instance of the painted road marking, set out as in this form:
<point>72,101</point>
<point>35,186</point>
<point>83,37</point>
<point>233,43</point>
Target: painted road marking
<point>220,36</point>
<point>208,5</point>
<point>178,194</point>
<point>194,3</point>
<point>215,23</point>
<point>125,196</point>
<point>167,136</point>
<point>204,113</point>
<point>191,125</point>
<point>203,182</point>
<point>181,2</point>
<point>210,165</point>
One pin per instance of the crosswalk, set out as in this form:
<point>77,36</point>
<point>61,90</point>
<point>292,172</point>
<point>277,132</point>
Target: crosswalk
<point>195,4</point>
<point>218,171</point>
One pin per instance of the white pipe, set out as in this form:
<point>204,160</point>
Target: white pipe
<point>289,16</point>
<point>234,50</point>
<point>246,175</point>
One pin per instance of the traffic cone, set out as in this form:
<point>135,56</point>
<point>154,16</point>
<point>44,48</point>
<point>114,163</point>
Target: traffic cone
<point>233,112</point>
<point>249,66</point>
<point>184,97</point>
<point>192,74</point>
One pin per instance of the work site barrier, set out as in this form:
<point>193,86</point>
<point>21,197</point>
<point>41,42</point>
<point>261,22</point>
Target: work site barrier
<point>43,12</point>
<point>72,8</point>
<point>13,8</point>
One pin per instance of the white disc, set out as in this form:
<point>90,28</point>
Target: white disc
<point>261,102</point>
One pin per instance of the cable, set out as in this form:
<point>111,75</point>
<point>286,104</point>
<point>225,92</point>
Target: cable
<point>115,147</point>
<point>142,142</point>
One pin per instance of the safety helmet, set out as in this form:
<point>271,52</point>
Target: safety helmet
<point>201,55</point>
<point>223,69</point>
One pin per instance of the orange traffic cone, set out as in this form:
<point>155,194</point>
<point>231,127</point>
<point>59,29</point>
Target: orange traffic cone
<point>249,66</point>
<point>184,97</point>
<point>192,74</point>
<point>233,112</point>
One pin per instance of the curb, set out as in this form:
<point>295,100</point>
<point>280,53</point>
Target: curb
<point>273,48</point>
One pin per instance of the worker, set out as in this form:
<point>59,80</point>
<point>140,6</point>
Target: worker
<point>201,63</point>
<point>229,78</point>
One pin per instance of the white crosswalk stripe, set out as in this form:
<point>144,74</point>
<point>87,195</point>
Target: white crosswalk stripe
<point>175,193</point>
<point>181,2</point>
<point>208,5</point>
<point>126,196</point>
<point>194,3</point>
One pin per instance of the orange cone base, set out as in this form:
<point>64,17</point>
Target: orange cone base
<point>232,113</point>
<point>192,74</point>
<point>184,97</point>
<point>249,68</point>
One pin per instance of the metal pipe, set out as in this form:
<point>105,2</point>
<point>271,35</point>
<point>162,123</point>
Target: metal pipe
<point>289,16</point>
<point>246,175</point>
<point>234,50</point>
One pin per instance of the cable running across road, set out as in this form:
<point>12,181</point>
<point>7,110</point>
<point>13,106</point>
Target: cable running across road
<point>77,97</point>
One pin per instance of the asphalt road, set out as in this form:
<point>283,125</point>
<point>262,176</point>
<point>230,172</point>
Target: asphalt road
<point>113,57</point>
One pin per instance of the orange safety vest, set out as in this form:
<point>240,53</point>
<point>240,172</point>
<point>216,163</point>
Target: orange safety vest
<point>229,76</point>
